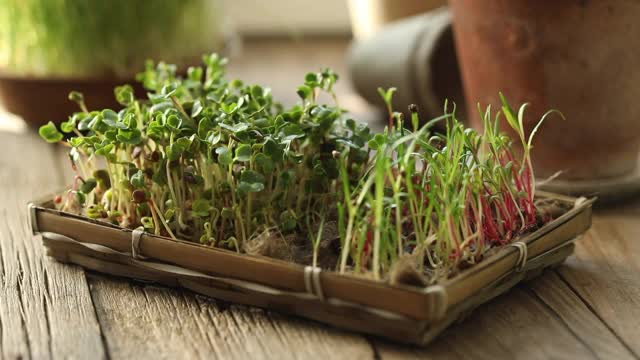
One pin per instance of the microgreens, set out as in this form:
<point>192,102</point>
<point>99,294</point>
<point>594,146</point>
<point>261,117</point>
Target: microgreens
<point>220,162</point>
<point>442,198</point>
<point>208,159</point>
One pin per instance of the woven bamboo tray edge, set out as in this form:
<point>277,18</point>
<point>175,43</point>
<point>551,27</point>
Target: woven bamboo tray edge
<point>440,305</point>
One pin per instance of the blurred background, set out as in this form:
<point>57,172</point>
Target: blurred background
<point>575,56</point>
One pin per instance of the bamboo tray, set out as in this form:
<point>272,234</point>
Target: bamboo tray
<point>402,313</point>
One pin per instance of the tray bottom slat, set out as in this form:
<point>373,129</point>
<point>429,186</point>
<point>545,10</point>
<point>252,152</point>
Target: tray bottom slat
<point>403,329</point>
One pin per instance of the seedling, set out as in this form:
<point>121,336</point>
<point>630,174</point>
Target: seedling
<point>443,199</point>
<point>222,163</point>
<point>207,159</point>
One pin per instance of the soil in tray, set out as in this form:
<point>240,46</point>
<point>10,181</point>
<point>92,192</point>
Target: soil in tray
<point>297,249</point>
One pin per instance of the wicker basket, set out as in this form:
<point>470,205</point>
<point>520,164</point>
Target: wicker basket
<point>402,313</point>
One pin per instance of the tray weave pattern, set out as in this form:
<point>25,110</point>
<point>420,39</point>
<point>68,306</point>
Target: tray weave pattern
<point>312,302</point>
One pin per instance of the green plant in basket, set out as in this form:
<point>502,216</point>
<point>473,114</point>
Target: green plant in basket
<point>222,163</point>
<point>207,159</point>
<point>438,201</point>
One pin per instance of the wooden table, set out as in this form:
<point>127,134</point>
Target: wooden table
<point>587,308</point>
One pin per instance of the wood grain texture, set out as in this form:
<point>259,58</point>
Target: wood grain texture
<point>45,307</point>
<point>143,321</point>
<point>567,307</point>
<point>513,326</point>
<point>605,272</point>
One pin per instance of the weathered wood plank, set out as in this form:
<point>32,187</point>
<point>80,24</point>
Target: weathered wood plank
<point>584,324</point>
<point>513,326</point>
<point>142,321</point>
<point>45,307</point>
<point>605,272</point>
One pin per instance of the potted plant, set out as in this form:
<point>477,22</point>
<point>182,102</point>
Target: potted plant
<point>403,214</point>
<point>48,48</point>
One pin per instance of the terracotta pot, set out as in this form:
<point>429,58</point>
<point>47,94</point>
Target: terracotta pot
<point>39,101</point>
<point>576,56</point>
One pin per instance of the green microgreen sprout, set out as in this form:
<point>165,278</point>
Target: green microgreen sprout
<point>220,162</point>
<point>207,159</point>
<point>443,199</point>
